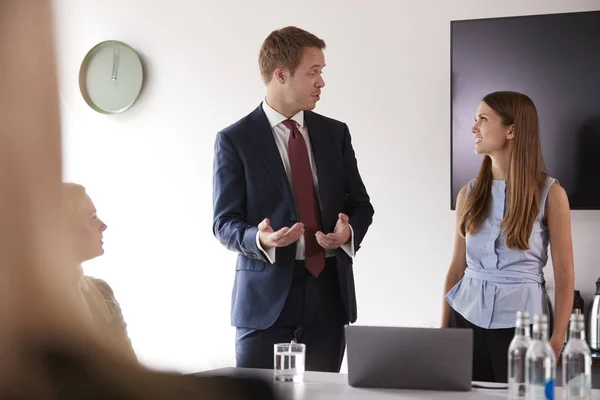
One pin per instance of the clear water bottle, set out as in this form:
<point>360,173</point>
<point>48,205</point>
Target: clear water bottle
<point>540,362</point>
<point>516,357</point>
<point>577,362</point>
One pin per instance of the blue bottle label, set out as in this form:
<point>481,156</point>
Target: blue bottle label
<point>549,389</point>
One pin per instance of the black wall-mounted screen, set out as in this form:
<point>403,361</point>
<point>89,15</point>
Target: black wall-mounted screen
<point>555,60</point>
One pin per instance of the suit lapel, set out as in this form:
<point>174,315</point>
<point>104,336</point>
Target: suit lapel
<point>268,151</point>
<point>319,142</point>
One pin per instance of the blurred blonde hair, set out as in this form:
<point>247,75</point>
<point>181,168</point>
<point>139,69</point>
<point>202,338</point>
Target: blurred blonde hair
<point>73,196</point>
<point>38,301</point>
<point>49,347</point>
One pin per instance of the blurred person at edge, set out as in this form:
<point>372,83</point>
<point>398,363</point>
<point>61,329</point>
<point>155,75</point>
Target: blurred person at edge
<point>49,344</point>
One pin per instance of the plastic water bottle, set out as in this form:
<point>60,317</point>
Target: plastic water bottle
<point>577,362</point>
<point>517,385</point>
<point>540,362</point>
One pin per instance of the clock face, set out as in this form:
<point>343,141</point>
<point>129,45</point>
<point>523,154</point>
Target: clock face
<point>111,77</point>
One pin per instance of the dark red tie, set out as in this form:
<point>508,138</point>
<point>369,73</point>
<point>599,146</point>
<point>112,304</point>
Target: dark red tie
<point>306,199</point>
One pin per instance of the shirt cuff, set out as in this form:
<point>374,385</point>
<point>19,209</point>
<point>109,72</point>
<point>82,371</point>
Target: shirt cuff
<point>348,247</point>
<point>269,254</point>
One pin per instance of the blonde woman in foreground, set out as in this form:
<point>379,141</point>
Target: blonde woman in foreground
<point>86,232</point>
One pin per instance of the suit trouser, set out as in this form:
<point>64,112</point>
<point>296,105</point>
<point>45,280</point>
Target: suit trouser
<point>313,313</point>
<point>490,349</point>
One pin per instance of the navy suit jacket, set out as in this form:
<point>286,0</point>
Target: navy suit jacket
<point>250,184</point>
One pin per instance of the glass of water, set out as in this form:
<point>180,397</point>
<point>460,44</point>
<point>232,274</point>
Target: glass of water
<point>289,362</point>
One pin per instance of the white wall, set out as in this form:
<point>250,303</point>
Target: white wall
<point>150,170</point>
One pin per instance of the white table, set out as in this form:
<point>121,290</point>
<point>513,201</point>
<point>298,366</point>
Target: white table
<point>323,386</point>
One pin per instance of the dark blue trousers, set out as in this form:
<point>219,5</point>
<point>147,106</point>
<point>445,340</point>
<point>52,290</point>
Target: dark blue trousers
<point>313,313</point>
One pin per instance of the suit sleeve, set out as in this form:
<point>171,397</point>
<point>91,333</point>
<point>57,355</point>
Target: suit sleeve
<point>358,204</point>
<point>229,201</point>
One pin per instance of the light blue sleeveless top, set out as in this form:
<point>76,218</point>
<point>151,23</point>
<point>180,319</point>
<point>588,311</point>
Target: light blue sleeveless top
<point>500,281</point>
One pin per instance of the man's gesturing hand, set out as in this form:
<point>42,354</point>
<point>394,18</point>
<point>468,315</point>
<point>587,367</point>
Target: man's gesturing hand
<point>341,235</point>
<point>283,237</point>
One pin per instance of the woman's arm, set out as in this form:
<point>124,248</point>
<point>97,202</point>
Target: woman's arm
<point>116,321</point>
<point>558,219</point>
<point>458,264</point>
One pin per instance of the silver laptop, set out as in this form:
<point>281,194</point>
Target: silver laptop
<point>409,358</point>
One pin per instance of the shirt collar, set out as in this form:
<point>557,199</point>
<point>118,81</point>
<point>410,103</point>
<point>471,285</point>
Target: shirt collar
<point>275,118</point>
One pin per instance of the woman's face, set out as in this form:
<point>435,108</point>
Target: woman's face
<point>88,231</point>
<point>490,134</point>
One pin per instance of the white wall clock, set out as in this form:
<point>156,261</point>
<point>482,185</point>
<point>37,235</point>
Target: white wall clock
<point>111,77</point>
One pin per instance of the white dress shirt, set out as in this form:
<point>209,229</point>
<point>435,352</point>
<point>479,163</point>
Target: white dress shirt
<point>282,134</point>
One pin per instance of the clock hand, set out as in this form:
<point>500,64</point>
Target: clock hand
<point>116,54</point>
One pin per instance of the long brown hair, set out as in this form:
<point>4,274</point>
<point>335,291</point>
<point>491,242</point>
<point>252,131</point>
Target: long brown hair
<point>526,173</point>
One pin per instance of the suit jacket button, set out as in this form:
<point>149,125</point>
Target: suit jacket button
<point>290,259</point>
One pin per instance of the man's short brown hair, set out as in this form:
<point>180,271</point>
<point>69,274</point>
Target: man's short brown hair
<point>283,48</point>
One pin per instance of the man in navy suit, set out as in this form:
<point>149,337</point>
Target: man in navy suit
<point>289,199</point>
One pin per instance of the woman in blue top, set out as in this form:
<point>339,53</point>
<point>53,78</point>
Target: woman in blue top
<point>506,218</point>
